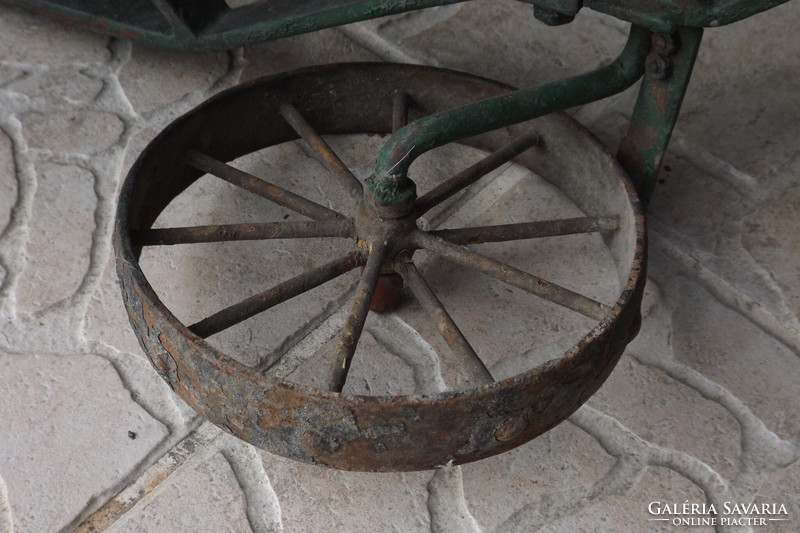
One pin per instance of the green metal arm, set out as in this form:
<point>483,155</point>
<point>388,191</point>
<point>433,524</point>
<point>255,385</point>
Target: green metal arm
<point>391,168</point>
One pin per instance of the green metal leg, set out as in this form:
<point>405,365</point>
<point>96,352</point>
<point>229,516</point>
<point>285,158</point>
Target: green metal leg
<point>669,67</point>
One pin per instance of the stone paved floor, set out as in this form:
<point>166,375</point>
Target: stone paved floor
<point>703,407</point>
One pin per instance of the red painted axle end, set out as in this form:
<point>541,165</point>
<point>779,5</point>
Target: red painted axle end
<point>387,293</point>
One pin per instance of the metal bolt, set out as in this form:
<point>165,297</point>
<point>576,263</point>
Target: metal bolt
<point>659,67</point>
<point>665,43</point>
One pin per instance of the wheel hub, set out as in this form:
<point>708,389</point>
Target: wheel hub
<point>372,228</point>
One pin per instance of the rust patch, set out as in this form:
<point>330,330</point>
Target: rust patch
<point>510,428</point>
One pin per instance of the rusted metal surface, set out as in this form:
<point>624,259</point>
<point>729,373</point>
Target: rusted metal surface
<point>243,232</point>
<point>391,196</point>
<point>527,230</point>
<point>440,128</point>
<point>455,339</point>
<point>399,110</point>
<point>389,289</point>
<point>262,188</point>
<point>354,324</point>
<point>326,155</point>
<point>234,314</point>
<point>513,276</point>
<point>474,172</point>
<point>377,433</point>
<point>190,451</point>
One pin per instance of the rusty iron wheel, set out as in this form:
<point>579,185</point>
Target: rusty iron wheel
<point>355,431</point>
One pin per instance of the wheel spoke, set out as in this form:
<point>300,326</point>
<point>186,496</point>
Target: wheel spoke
<point>475,172</point>
<point>508,274</point>
<point>242,232</point>
<point>230,316</point>
<point>455,339</point>
<point>318,144</point>
<point>399,109</point>
<point>527,230</point>
<point>259,187</point>
<point>354,325</point>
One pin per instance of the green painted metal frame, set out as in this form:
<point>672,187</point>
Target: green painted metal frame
<point>662,45</point>
<point>668,69</point>
<point>663,16</point>
<point>197,25</point>
<point>666,60</point>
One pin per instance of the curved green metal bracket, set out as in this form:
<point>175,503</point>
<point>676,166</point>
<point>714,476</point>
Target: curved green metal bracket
<point>408,143</point>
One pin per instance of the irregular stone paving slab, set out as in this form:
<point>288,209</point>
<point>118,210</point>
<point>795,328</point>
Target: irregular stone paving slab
<point>446,503</point>
<point>704,215</point>
<point>72,433</point>
<point>512,330</point>
<point>154,77</point>
<point>75,132</point>
<point>628,512</point>
<point>782,487</point>
<point>771,236</point>
<point>139,141</point>
<point>499,487</point>
<point>8,181</point>
<point>683,192</point>
<point>319,499</point>
<point>107,331</point>
<point>60,236</point>
<point>197,284</point>
<point>667,413</point>
<point>106,319</point>
<point>58,86</point>
<point>27,38</point>
<point>730,350</point>
<point>187,447</point>
<point>376,369</point>
<point>201,498</point>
